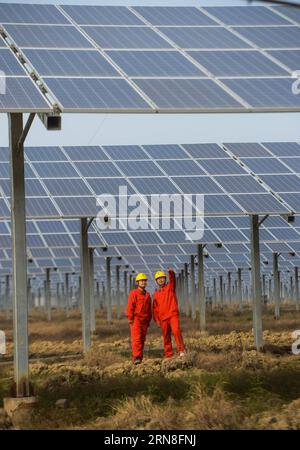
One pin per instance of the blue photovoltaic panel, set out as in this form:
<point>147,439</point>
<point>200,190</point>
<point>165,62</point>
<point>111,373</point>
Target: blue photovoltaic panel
<point>101,15</point>
<point>286,234</point>
<point>283,148</point>
<point>4,211</point>
<point>58,240</point>
<point>96,94</point>
<point>265,165</point>
<point>165,151</point>
<point>197,185</point>
<point>126,37</point>
<point>272,37</point>
<point>259,203</point>
<point>188,94</point>
<point>4,170</point>
<point>181,167</point>
<point>117,238</point>
<point>220,204</point>
<point>21,95</point>
<point>279,183</point>
<point>293,201</point>
<point>67,187</point>
<point>125,152</point>
<point>290,12</point>
<point>139,168</point>
<point>77,206</point>
<point>39,36</point>
<point>9,63</point>
<point>293,163</point>
<point>237,63</point>
<point>145,237</point>
<point>174,15</point>
<point>291,58</point>
<point>155,64</point>
<point>51,226</point>
<point>221,166</point>
<point>18,13</point>
<point>247,150</point>
<point>86,153</point>
<point>230,236</point>
<point>205,151</point>
<point>98,169</point>
<point>55,170</point>
<point>40,207</point>
<point>240,184</point>
<point>154,186</point>
<point>266,92</point>
<point>44,154</point>
<point>199,38</point>
<point>70,63</point>
<point>4,154</point>
<point>33,188</point>
<point>109,186</point>
<point>218,222</point>
<point>243,15</point>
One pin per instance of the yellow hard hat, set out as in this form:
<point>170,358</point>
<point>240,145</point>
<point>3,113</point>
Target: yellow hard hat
<point>141,276</point>
<point>159,274</point>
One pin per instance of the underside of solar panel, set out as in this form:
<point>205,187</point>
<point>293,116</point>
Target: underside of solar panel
<point>143,59</point>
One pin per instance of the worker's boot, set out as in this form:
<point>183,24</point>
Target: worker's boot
<point>137,361</point>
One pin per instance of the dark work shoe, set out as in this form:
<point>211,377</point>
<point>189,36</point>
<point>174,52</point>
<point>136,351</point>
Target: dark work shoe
<point>137,361</point>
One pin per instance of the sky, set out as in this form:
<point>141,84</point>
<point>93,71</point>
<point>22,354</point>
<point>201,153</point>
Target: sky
<point>117,129</point>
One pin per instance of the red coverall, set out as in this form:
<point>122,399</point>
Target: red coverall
<point>139,309</point>
<point>166,313</point>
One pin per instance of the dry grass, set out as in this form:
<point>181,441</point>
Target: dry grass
<point>223,383</point>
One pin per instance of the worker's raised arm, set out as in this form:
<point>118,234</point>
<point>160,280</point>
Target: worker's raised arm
<point>130,308</point>
<point>172,279</point>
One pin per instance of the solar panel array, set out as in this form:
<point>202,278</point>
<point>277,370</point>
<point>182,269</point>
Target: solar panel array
<point>150,59</point>
<point>68,181</point>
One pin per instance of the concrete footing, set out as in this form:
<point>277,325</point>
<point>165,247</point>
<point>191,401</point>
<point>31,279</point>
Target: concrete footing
<point>19,409</point>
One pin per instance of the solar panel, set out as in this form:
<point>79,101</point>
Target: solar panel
<point>9,63</point>
<point>203,38</point>
<point>266,92</point>
<point>50,226</point>
<point>40,207</point>
<point>181,167</point>
<point>66,187</point>
<point>126,38</point>
<point>240,184</point>
<point>174,15</point>
<point>150,186</point>
<point>259,203</point>
<point>220,204</point>
<point>85,153</point>
<point>197,185</point>
<point>98,169</point>
<point>18,13</point>
<point>221,166</point>
<point>58,240</point>
<point>272,37</point>
<point>22,95</point>
<point>101,15</point>
<point>4,154</point>
<point>77,206</point>
<point>39,36</point>
<point>33,188</point>
<point>243,15</point>
<point>155,64</point>
<point>279,183</point>
<point>237,63</point>
<point>182,94</point>
<point>125,152</point>
<point>44,154</point>
<point>265,165</point>
<point>117,238</point>
<point>283,148</point>
<point>290,12</point>
<point>109,185</point>
<point>70,63</point>
<point>139,168</point>
<point>244,150</point>
<point>205,151</point>
<point>96,94</point>
<point>55,170</point>
<point>218,222</point>
<point>293,163</point>
<point>165,151</point>
<point>4,211</point>
<point>291,58</point>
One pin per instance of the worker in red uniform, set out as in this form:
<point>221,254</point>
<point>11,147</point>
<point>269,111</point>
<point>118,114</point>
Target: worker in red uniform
<point>166,312</point>
<point>139,315</point>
